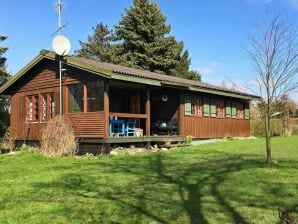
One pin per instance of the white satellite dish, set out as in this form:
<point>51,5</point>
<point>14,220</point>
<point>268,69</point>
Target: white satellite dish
<point>61,45</point>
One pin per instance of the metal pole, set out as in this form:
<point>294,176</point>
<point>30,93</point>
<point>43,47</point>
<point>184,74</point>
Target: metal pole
<point>59,17</point>
<point>60,85</point>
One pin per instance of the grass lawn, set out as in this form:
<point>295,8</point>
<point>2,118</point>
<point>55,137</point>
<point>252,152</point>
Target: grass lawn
<point>224,182</point>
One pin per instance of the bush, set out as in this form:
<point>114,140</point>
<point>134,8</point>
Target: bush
<point>258,127</point>
<point>295,130</point>
<point>7,144</point>
<point>188,139</point>
<point>58,138</point>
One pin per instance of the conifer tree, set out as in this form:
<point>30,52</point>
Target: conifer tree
<point>99,46</point>
<point>3,74</point>
<point>4,102</point>
<point>182,69</point>
<point>141,40</point>
<point>144,34</point>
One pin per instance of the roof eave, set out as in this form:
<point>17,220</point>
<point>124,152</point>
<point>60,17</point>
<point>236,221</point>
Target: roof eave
<point>52,56</point>
<point>224,93</point>
<point>14,78</point>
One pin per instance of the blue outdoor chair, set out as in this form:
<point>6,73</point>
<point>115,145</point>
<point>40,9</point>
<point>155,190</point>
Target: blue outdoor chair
<point>130,127</point>
<point>117,127</point>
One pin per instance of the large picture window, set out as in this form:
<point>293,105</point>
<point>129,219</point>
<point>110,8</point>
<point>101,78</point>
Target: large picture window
<point>95,96</point>
<point>85,97</point>
<point>76,100</point>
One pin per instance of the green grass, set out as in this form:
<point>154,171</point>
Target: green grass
<point>225,182</point>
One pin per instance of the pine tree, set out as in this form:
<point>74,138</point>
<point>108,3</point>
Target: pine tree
<point>141,40</point>
<point>4,76</point>
<point>100,45</point>
<point>144,34</point>
<point>182,69</point>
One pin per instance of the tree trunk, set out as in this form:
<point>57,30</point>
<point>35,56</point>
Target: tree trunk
<point>268,132</point>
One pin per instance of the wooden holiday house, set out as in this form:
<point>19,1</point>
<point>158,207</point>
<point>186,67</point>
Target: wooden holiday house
<point>108,103</point>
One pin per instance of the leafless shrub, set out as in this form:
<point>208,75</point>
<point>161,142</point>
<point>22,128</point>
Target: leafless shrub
<point>58,138</point>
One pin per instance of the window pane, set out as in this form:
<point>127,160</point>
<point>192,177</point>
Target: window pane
<point>76,101</point>
<point>36,108</point>
<point>95,91</point>
<point>44,107</point>
<point>206,107</point>
<point>30,109</point>
<point>52,105</point>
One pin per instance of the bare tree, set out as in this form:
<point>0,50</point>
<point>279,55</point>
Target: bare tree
<point>274,54</point>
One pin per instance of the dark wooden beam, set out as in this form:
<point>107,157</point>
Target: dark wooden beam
<point>147,109</point>
<point>128,115</point>
<point>85,98</point>
<point>106,108</point>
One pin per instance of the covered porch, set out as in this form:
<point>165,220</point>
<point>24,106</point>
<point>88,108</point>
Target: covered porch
<point>137,111</point>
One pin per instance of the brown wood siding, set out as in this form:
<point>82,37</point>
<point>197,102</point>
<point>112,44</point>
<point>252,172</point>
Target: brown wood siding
<point>206,127</point>
<point>211,127</point>
<point>88,124</point>
<point>18,122</point>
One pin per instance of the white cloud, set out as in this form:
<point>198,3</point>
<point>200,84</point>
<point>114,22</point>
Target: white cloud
<point>208,69</point>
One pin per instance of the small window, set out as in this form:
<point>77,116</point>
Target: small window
<point>196,106</point>
<point>40,107</point>
<point>187,105</point>
<point>206,107</point>
<point>228,109</point>
<point>246,111</point>
<point>234,110</point>
<point>32,108</point>
<point>213,107</point>
<point>48,106</point>
<point>95,92</point>
<point>240,111</point>
<point>220,111</point>
<point>76,101</point>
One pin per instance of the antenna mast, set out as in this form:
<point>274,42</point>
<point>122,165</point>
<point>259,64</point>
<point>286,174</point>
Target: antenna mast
<point>62,47</point>
<point>59,7</point>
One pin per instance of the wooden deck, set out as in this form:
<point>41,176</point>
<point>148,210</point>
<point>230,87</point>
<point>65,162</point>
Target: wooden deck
<point>111,140</point>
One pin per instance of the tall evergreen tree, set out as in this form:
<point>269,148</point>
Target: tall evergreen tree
<point>3,74</point>
<point>141,40</point>
<point>182,69</point>
<point>144,34</point>
<point>4,102</point>
<point>99,46</point>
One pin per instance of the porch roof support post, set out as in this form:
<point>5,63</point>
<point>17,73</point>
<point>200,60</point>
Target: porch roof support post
<point>106,109</point>
<point>147,110</point>
<point>181,114</point>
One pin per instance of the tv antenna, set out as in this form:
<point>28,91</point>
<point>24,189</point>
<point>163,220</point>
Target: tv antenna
<point>61,46</point>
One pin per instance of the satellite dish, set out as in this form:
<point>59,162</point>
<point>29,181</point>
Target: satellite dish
<point>61,45</point>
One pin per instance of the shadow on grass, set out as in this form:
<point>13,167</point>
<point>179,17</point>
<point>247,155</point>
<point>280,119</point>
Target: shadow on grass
<point>153,188</point>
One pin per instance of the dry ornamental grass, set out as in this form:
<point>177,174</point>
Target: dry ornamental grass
<point>58,138</point>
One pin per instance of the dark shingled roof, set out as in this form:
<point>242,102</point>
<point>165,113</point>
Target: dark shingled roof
<point>155,76</point>
<point>107,70</point>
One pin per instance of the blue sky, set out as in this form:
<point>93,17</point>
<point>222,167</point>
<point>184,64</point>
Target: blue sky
<point>214,31</point>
